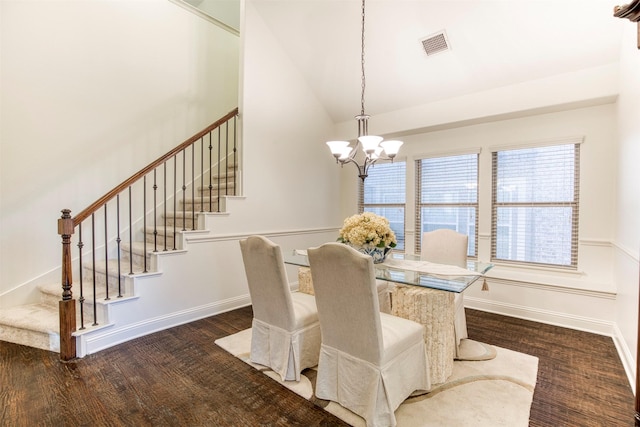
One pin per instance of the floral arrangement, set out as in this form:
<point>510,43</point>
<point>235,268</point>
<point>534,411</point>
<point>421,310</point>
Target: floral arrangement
<point>367,229</point>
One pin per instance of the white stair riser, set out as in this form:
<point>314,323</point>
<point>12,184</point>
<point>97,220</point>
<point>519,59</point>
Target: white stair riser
<point>138,259</point>
<point>199,205</point>
<point>182,223</point>
<point>216,190</point>
<point>160,240</point>
<point>101,281</point>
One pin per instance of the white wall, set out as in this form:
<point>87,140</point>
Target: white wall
<point>288,178</point>
<point>582,299</point>
<point>627,231</point>
<point>91,92</point>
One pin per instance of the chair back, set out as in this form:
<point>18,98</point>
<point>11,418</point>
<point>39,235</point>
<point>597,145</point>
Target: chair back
<point>268,282</point>
<point>347,300</point>
<point>445,246</point>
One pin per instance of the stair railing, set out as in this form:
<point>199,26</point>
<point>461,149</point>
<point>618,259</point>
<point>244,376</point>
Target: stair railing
<point>207,160</point>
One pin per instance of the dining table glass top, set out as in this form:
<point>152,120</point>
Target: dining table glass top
<point>410,270</point>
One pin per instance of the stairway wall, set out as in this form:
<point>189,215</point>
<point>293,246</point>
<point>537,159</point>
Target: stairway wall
<point>91,92</point>
<point>289,192</point>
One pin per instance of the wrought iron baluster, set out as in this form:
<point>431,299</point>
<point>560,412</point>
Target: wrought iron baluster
<point>219,165</point>
<point>175,196</point>
<point>184,189</point>
<point>235,158</point>
<point>93,267</point>
<point>118,240</point>
<point>155,214</point>
<point>81,299</point>
<point>106,257</point>
<point>193,185</point>
<point>201,172</point>
<point>144,223</point>
<point>210,175</point>
<point>165,206</point>
<point>226,161</point>
<point>130,236</point>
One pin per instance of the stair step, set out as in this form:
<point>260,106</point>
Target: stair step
<point>183,220</point>
<point>136,253</point>
<point>205,204</point>
<point>115,281</point>
<point>229,174</point>
<point>223,188</point>
<point>51,294</point>
<point>34,325</point>
<point>160,238</point>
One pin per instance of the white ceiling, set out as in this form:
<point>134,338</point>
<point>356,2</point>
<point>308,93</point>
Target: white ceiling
<point>493,43</point>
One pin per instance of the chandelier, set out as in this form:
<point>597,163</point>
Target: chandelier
<point>373,147</point>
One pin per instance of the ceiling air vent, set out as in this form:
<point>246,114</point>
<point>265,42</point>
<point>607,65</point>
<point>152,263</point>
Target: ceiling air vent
<point>435,43</point>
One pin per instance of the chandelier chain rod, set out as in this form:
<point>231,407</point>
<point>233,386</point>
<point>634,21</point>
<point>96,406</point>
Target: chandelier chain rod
<point>363,80</point>
<point>372,146</point>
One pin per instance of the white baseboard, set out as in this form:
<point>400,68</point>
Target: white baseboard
<point>580,323</point>
<point>93,342</point>
<point>626,357</point>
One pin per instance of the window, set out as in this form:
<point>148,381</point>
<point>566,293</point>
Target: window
<point>535,205</point>
<point>447,196</point>
<point>385,195</point>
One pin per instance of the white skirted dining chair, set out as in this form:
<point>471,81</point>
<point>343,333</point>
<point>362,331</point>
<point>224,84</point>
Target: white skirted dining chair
<point>445,246</point>
<point>370,362</point>
<point>285,328</point>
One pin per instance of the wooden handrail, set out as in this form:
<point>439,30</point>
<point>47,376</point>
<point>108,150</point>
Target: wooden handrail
<point>111,194</point>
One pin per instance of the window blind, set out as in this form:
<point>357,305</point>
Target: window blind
<point>384,193</point>
<point>447,196</point>
<point>535,205</point>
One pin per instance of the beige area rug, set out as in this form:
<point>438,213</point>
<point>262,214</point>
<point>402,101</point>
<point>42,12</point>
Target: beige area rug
<point>491,393</point>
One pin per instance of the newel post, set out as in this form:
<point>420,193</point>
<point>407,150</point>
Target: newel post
<point>67,307</point>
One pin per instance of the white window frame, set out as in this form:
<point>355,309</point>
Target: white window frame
<point>420,204</point>
<point>555,204</point>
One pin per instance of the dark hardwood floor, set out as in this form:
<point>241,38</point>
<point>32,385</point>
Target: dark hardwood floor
<point>581,380</point>
<point>179,377</point>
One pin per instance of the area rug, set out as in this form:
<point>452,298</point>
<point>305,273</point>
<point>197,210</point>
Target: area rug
<point>491,393</point>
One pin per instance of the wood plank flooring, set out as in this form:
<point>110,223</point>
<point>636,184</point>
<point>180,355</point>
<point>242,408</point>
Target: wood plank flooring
<point>179,377</point>
<point>581,380</point>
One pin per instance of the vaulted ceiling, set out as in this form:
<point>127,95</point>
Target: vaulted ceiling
<point>493,43</point>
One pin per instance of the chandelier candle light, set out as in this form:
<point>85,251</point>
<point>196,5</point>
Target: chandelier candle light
<point>373,146</point>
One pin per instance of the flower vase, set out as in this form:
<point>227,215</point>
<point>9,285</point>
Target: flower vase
<point>378,254</point>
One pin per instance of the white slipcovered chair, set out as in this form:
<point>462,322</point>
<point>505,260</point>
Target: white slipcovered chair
<point>445,246</point>
<point>370,362</point>
<point>285,328</point>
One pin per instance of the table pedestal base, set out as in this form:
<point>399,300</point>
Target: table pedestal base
<point>435,310</point>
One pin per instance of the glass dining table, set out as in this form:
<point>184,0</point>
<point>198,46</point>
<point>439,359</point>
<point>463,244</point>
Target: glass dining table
<point>411,270</point>
<point>416,290</point>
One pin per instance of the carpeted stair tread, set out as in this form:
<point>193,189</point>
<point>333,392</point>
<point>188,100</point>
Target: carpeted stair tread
<point>34,317</point>
<point>112,267</point>
<point>52,293</point>
<point>136,247</point>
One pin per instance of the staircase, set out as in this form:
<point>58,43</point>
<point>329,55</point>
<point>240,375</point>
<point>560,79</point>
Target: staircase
<point>114,281</point>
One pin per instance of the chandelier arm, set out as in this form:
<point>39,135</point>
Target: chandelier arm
<point>363,169</point>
